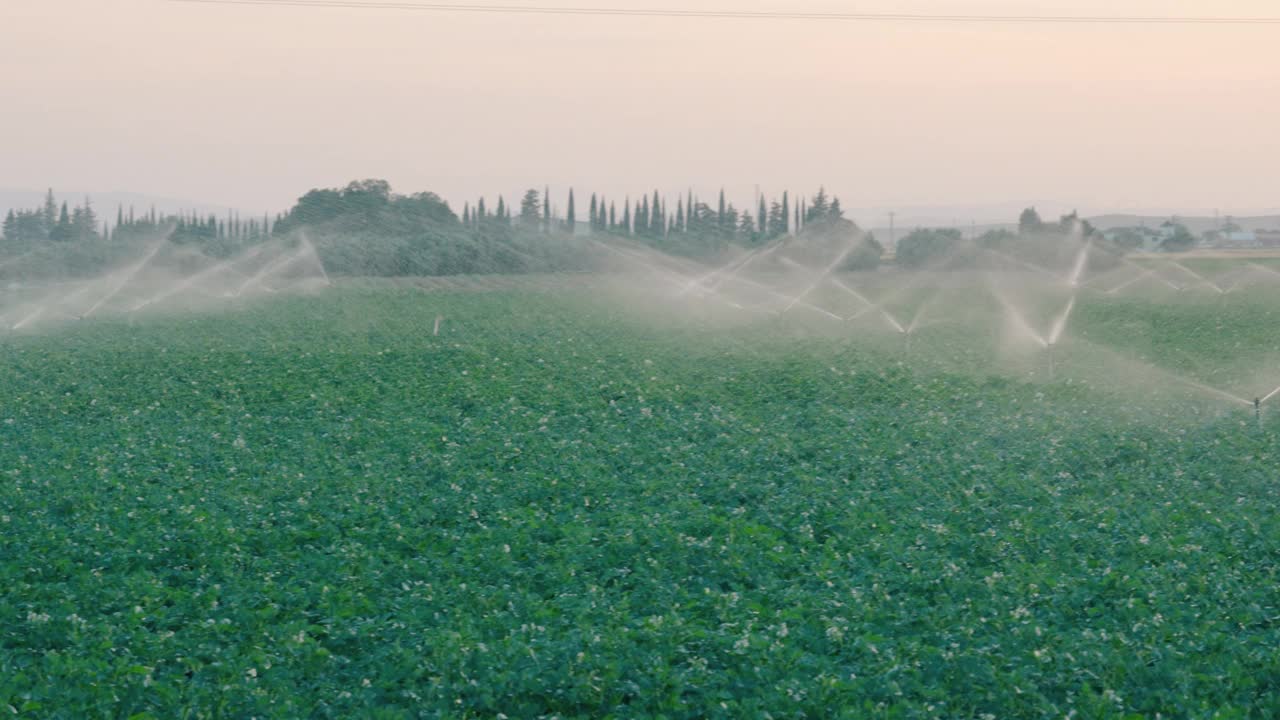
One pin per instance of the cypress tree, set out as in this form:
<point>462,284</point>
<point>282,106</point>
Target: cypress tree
<point>786,213</point>
<point>591,218</point>
<point>679,226</point>
<point>50,212</point>
<point>762,218</point>
<point>571,217</point>
<point>658,217</point>
<point>546,209</point>
<point>626,217</point>
<point>613,216</point>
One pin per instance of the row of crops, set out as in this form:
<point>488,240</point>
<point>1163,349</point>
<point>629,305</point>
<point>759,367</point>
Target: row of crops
<point>561,506</point>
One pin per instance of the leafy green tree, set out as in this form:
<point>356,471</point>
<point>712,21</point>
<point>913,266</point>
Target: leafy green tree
<point>923,247</point>
<point>531,209</point>
<point>777,225</point>
<point>84,222</point>
<point>996,239</point>
<point>1029,222</point>
<point>62,230</point>
<point>820,207</point>
<point>1177,238</point>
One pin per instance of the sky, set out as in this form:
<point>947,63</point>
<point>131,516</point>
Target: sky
<point>250,106</point>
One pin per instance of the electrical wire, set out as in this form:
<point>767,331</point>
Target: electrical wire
<point>751,15</point>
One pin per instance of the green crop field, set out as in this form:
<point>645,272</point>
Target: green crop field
<point>577,506</point>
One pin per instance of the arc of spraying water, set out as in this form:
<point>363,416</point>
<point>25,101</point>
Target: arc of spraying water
<point>1017,317</point>
<point>853,245</point>
<point>1151,271</point>
<point>1082,261</point>
<point>30,318</point>
<point>774,293</point>
<point>309,250</point>
<point>670,276</point>
<point>126,277</point>
<point>857,295</point>
<point>763,253</point>
<point>1131,281</point>
<point>922,310</point>
<point>1060,324</point>
<point>731,267</point>
<point>1269,395</point>
<point>315,257</point>
<point>894,295</point>
<point>198,278</point>
<point>1197,276</point>
<point>1023,263</point>
<point>888,317</point>
<point>715,293</point>
<point>267,270</point>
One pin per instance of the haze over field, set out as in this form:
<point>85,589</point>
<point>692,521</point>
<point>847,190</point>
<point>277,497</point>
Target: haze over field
<point>248,106</point>
<point>399,359</point>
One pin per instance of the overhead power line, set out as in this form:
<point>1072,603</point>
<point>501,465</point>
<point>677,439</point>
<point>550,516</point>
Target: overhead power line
<point>752,15</point>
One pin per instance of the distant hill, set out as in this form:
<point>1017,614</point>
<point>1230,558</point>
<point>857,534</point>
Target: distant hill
<point>105,203</point>
<point>1196,224</point>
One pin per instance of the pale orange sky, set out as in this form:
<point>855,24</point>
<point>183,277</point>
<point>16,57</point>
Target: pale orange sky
<point>251,106</point>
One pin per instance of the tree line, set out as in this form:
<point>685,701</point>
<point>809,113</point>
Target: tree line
<point>365,228</point>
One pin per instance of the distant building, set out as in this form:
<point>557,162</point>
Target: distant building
<point>1268,238</point>
<point>1138,238</point>
<point>1231,239</point>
